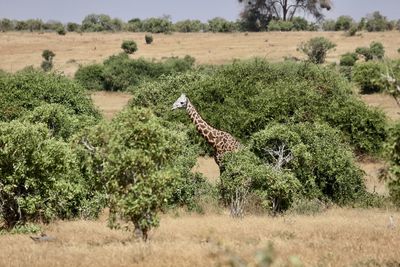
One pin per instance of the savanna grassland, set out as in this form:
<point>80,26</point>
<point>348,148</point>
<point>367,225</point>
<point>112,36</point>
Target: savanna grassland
<point>333,237</point>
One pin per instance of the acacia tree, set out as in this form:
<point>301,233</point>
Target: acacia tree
<point>258,13</point>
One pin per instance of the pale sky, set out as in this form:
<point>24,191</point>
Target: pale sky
<point>76,10</point>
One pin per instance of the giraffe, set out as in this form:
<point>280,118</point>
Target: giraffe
<point>221,141</point>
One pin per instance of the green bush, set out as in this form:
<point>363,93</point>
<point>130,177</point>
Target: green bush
<point>393,149</point>
<point>61,30</point>
<point>189,26</point>
<point>300,24</point>
<point>252,94</point>
<point>377,50</point>
<point>6,25</point>
<point>329,25</point>
<point>129,46</point>
<point>221,25</point>
<point>343,23</point>
<point>73,27</point>
<point>121,72</point>
<point>134,25</point>
<point>40,178</point>
<point>348,59</point>
<point>48,56</point>
<point>376,22</point>
<point>320,160</point>
<point>148,38</point>
<point>138,160</point>
<point>91,76</point>
<point>99,22</point>
<point>157,25</point>
<point>368,76</point>
<point>352,31</point>
<point>61,122</point>
<point>280,25</point>
<point>316,49</point>
<point>244,174</point>
<point>26,90</point>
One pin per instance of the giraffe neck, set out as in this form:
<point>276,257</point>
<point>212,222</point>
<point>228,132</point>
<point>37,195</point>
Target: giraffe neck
<point>207,131</point>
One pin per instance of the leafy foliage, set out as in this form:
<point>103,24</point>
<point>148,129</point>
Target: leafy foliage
<point>221,25</point>
<point>157,25</point>
<point>189,26</point>
<point>28,89</point>
<point>280,25</point>
<point>368,76</point>
<point>324,165</point>
<point>129,46</point>
<point>376,22</point>
<point>91,77</point>
<point>316,49</point>
<point>393,149</point>
<point>61,121</point>
<point>48,56</point>
<point>40,179</point>
<point>141,164</point>
<point>348,59</point>
<point>119,72</point>
<point>148,38</point>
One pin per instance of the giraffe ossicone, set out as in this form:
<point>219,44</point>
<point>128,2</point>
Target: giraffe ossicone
<point>221,141</point>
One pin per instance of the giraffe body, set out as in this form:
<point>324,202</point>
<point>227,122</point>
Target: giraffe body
<point>221,141</point>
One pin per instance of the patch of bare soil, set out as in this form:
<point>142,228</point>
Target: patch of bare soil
<point>207,167</point>
<point>110,103</point>
<point>384,102</point>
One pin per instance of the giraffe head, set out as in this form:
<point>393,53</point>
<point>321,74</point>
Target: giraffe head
<point>181,102</point>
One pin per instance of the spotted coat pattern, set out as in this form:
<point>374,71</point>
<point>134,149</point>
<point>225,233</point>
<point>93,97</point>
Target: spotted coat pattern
<point>221,141</point>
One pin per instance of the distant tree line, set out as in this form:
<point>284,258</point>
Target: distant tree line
<point>104,23</point>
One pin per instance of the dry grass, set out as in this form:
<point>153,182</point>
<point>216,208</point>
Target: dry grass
<point>338,237</point>
<point>18,50</point>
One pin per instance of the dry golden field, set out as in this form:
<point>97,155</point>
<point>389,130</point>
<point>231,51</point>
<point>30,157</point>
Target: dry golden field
<point>18,50</point>
<point>336,237</point>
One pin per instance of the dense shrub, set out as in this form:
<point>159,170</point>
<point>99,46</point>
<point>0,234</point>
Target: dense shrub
<point>148,38</point>
<point>120,71</point>
<point>252,94</point>
<point>374,51</point>
<point>329,25</point>
<point>189,26</point>
<point>324,165</point>
<point>377,50</point>
<point>393,149</point>
<point>142,164</point>
<point>352,31</point>
<point>129,46</point>
<point>134,25</point>
<point>280,25</point>
<point>61,30</point>
<point>26,90</point>
<point>6,25</point>
<point>61,122</point>
<point>343,23</point>
<point>221,25</point>
<point>73,27</point>
<point>40,178</point>
<point>368,76</point>
<point>47,63</point>
<point>300,24</point>
<point>157,25</point>
<point>316,49</point>
<point>244,174</point>
<point>100,22</point>
<point>348,59</point>
<point>376,22</point>
<point>91,76</point>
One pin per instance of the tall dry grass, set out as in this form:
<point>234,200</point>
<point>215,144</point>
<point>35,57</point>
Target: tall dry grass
<point>338,237</point>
